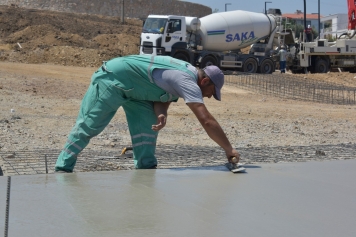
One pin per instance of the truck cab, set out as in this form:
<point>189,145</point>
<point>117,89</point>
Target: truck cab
<point>161,35</point>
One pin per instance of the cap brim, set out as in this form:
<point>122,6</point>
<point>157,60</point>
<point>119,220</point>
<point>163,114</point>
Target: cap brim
<point>217,94</point>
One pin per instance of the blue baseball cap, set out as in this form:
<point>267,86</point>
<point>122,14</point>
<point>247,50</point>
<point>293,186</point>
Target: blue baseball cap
<point>217,77</point>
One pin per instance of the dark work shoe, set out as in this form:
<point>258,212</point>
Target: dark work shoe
<point>152,167</point>
<point>57,170</point>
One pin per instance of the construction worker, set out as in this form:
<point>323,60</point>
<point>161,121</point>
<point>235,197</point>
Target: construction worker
<point>308,32</point>
<point>282,59</point>
<point>144,86</point>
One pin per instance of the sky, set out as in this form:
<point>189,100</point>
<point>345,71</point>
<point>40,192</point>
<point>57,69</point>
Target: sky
<point>327,7</point>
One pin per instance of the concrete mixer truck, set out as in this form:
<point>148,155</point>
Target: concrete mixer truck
<point>216,39</point>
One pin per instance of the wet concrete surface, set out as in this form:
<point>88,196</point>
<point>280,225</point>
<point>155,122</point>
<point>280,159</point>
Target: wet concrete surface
<point>290,199</point>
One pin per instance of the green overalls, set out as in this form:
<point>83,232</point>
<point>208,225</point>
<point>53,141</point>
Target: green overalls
<point>127,82</point>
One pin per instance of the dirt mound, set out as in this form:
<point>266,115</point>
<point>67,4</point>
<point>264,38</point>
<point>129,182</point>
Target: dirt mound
<point>39,36</point>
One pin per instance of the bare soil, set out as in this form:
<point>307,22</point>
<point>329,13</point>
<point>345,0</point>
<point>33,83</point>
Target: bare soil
<point>37,36</point>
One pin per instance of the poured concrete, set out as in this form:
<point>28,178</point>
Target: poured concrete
<point>292,199</point>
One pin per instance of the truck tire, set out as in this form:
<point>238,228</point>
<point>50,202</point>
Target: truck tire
<point>250,65</point>
<point>321,66</point>
<point>267,66</point>
<point>208,61</point>
<point>181,56</point>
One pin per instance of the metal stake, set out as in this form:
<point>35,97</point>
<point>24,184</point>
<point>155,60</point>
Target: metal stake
<point>7,206</point>
<point>46,164</point>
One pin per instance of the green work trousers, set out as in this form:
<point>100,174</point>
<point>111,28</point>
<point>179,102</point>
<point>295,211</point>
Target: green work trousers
<point>100,103</point>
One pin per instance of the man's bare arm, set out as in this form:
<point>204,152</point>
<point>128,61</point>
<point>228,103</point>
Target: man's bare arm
<point>213,129</point>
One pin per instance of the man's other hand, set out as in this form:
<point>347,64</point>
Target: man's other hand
<point>161,122</point>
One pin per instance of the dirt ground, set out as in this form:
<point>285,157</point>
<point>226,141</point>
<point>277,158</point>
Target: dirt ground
<point>36,36</point>
<point>46,99</point>
<point>47,59</point>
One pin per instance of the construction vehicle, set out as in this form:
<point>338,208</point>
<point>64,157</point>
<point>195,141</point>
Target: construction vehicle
<point>216,39</point>
<point>321,56</point>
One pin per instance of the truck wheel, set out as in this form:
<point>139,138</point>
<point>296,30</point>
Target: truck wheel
<point>267,66</point>
<point>321,66</point>
<point>181,56</point>
<point>250,66</point>
<point>208,61</point>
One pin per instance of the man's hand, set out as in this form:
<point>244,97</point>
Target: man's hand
<point>230,154</point>
<point>160,109</point>
<point>161,122</point>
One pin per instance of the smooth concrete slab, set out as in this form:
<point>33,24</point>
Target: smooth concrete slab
<point>291,199</point>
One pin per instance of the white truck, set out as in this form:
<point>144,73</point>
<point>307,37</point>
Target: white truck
<point>215,39</point>
<point>321,56</point>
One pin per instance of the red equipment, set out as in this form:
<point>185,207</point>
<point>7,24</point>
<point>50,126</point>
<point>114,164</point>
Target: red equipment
<point>351,5</point>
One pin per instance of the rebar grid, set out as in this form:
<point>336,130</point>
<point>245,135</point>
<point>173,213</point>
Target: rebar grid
<point>292,87</point>
<point>171,156</point>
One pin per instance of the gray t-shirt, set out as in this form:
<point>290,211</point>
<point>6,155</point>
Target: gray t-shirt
<point>282,55</point>
<point>179,83</point>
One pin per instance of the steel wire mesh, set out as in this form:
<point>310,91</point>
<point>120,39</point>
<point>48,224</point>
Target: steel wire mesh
<point>292,87</point>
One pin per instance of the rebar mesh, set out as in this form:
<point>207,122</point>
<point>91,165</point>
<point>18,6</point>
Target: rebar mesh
<point>171,156</point>
<point>292,87</point>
